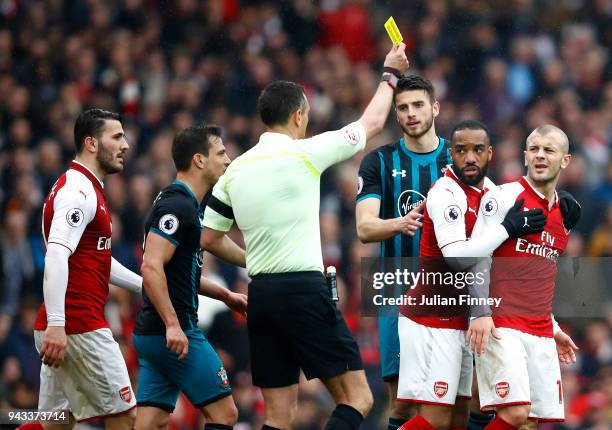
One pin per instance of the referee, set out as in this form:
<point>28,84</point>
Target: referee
<point>272,192</point>
<point>173,354</point>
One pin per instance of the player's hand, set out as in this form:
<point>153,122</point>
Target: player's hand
<point>237,302</point>
<point>397,59</point>
<point>411,222</point>
<point>570,209</point>
<point>519,223</point>
<point>479,332</point>
<point>53,348</point>
<point>177,342</point>
<point>566,348</point>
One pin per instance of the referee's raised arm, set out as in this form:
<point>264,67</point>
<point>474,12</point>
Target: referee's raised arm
<point>272,194</point>
<point>375,114</point>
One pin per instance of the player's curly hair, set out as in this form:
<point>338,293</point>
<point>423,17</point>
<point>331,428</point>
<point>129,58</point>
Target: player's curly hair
<point>471,124</point>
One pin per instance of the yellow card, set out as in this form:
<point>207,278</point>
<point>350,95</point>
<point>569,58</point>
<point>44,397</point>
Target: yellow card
<point>393,31</point>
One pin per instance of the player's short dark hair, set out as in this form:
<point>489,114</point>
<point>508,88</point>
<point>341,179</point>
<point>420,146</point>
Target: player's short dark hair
<point>471,124</point>
<point>190,141</point>
<point>414,82</point>
<point>278,101</point>
<point>89,123</point>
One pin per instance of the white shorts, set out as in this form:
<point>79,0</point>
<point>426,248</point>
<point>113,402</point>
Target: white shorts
<point>435,365</point>
<point>521,369</point>
<point>93,380</point>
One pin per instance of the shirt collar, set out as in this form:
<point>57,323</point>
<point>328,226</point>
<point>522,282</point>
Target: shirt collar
<point>80,167</point>
<point>530,188</point>
<point>187,189</point>
<point>271,136</point>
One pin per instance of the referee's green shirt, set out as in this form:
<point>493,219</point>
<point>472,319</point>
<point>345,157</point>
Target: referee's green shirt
<point>272,192</point>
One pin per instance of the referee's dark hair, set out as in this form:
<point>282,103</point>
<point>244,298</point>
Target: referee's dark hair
<point>89,123</point>
<point>190,141</point>
<point>278,101</point>
<point>414,82</point>
<point>471,124</point>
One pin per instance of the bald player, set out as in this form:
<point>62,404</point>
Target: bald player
<point>518,375</point>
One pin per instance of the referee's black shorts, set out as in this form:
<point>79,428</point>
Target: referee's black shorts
<point>293,324</point>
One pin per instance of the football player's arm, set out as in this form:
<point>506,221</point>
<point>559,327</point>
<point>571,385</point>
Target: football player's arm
<point>447,214</point>
<point>482,327</point>
<point>493,227</point>
<point>159,249</point>
<point>370,227</point>
<point>72,212</point>
<point>158,252</point>
<point>220,245</point>
<point>487,220</point>
<point>218,219</point>
<point>235,301</point>
<point>566,348</point>
<point>123,277</point>
<point>487,235</point>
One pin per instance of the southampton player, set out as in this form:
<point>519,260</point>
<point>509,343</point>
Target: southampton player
<point>173,353</point>
<point>83,369</point>
<point>435,363</point>
<point>519,375</point>
<point>392,184</point>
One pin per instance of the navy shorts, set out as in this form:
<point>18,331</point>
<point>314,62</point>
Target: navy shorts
<point>200,375</point>
<point>389,346</point>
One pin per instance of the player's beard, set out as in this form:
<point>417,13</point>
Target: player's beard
<point>108,163</point>
<point>474,180</point>
<point>553,175</point>
<point>426,127</point>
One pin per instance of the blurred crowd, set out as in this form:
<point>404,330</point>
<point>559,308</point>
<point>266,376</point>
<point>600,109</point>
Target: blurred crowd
<point>168,64</point>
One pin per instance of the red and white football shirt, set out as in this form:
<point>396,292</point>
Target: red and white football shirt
<point>524,269</point>
<point>450,214</point>
<point>76,215</point>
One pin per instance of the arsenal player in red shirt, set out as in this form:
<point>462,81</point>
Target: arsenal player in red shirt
<point>519,374</point>
<point>83,369</point>
<point>435,363</point>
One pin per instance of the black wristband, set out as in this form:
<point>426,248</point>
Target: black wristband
<point>393,71</point>
<point>390,79</point>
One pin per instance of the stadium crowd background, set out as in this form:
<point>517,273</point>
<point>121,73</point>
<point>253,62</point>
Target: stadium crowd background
<point>165,65</point>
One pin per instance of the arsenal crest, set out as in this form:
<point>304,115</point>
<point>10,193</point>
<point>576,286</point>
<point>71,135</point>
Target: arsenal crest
<point>502,389</point>
<point>126,394</point>
<point>440,389</point>
<point>223,375</point>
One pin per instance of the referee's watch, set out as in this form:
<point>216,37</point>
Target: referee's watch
<point>390,79</point>
<point>391,76</point>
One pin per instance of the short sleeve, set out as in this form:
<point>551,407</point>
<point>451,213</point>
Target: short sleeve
<point>369,179</point>
<point>72,212</point>
<point>447,215</point>
<point>219,214</point>
<point>327,149</point>
<point>170,218</point>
